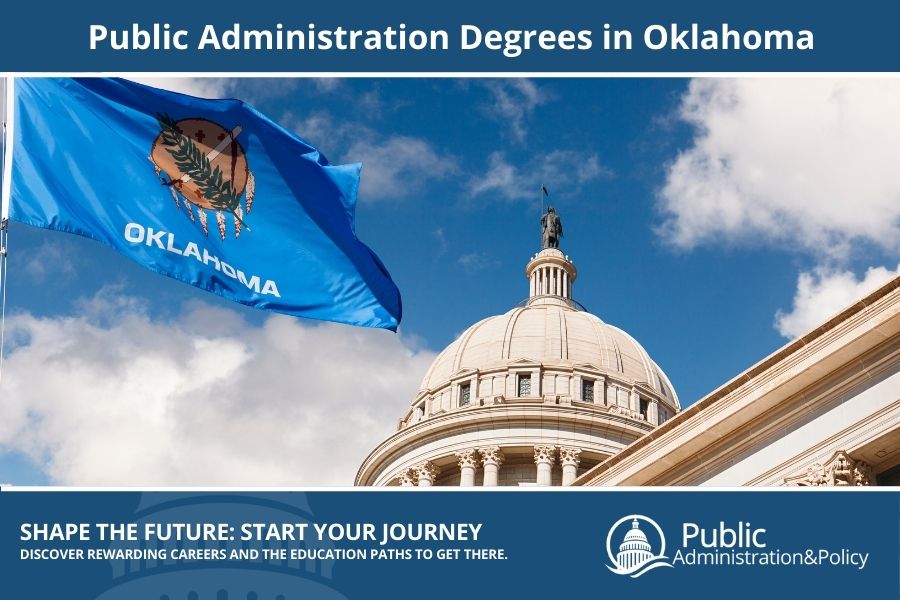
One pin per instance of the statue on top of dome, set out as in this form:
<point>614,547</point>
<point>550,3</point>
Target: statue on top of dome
<point>551,227</point>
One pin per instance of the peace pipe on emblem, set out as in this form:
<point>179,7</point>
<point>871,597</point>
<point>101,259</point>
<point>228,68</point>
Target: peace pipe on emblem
<point>217,151</point>
<point>212,156</point>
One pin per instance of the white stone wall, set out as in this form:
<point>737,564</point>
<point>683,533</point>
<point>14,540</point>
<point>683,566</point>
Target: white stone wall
<point>545,382</point>
<point>515,471</point>
<point>848,423</point>
<point>513,475</point>
<point>510,426</point>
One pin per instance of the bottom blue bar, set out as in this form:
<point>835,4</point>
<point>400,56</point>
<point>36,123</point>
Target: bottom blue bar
<point>448,544</point>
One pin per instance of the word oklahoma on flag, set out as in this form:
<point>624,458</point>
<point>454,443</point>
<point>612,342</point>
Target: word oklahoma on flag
<point>210,192</point>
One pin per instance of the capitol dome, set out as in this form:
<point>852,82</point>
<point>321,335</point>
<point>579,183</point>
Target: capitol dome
<point>534,396</point>
<point>635,538</point>
<point>634,550</point>
<point>551,332</point>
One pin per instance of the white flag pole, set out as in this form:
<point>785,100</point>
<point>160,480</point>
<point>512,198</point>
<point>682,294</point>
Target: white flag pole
<point>8,113</point>
<point>8,132</point>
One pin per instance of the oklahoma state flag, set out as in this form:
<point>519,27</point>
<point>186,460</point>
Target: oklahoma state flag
<point>209,192</point>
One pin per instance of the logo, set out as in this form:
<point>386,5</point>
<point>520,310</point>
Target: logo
<point>207,169</point>
<point>635,556</point>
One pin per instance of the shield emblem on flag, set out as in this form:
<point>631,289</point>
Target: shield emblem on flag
<point>207,170</point>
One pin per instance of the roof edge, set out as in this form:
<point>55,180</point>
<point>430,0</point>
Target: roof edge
<point>722,392</point>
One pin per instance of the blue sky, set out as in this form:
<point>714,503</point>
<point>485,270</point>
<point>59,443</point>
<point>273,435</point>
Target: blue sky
<point>711,219</point>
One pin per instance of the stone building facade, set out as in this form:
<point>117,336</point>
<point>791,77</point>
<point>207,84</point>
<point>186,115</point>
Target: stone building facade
<point>548,394</point>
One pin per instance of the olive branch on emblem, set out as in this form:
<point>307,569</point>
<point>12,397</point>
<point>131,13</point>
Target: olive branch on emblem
<point>192,161</point>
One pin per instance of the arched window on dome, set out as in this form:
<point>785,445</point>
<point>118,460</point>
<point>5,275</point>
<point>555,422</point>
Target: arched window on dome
<point>644,408</point>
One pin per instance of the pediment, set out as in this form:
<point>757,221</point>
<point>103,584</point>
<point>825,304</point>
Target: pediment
<point>462,373</point>
<point>645,387</point>
<point>524,362</point>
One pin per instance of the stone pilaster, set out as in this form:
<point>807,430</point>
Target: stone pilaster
<point>492,457</point>
<point>612,395</point>
<point>468,462</point>
<point>570,458</point>
<point>544,457</point>
<point>426,473</point>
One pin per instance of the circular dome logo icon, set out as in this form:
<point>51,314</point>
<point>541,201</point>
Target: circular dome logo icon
<point>635,554</point>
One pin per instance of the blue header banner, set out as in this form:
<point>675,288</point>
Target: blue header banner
<point>411,36</point>
<point>447,544</point>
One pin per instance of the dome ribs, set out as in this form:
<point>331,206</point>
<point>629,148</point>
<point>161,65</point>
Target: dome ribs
<point>463,342</point>
<point>553,337</point>
<point>508,334</point>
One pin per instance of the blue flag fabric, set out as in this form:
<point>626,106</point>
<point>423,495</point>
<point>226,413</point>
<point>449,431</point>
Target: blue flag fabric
<point>209,192</point>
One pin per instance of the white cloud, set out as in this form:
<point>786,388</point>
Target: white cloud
<point>441,245</point>
<point>512,103</point>
<point>51,258</point>
<point>326,85</point>
<point>202,87</point>
<point>563,170</point>
<point>394,166</point>
<point>114,397</point>
<point>477,261</point>
<point>813,163</point>
<point>822,293</point>
<point>397,166</point>
<point>317,128</point>
<point>500,177</point>
<point>252,90</point>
